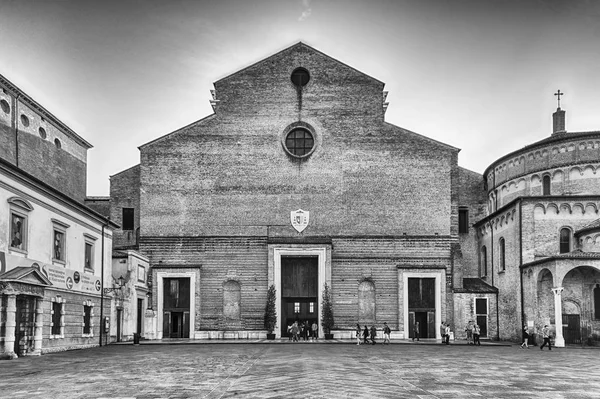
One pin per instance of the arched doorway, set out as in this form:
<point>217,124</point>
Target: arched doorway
<point>579,304</point>
<point>545,297</point>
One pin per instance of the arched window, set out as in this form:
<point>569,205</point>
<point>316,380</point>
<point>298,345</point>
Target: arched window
<point>546,185</point>
<point>366,302</point>
<point>565,240</point>
<point>483,270</point>
<point>502,254</point>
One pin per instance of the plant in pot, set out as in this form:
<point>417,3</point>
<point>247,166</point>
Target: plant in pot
<point>270,312</point>
<point>327,313</point>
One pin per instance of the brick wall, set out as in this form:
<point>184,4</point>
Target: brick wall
<point>125,193</point>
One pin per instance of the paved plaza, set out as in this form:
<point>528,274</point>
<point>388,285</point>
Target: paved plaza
<point>305,370</point>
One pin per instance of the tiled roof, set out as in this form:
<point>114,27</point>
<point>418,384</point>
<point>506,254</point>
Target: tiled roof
<point>477,285</point>
<point>592,226</point>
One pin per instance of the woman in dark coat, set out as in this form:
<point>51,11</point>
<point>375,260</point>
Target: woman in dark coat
<point>366,335</point>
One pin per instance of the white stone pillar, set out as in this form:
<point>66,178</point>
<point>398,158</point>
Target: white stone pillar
<point>559,340</point>
<point>11,324</point>
<point>39,324</point>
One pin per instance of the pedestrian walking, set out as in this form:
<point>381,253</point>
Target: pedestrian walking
<point>476,333</point>
<point>447,331</point>
<point>525,343</point>
<point>290,334</point>
<point>366,335</point>
<point>358,333</point>
<point>443,332</point>
<point>386,334</point>
<point>416,331</point>
<point>295,331</point>
<point>546,335</point>
<point>469,331</point>
<point>315,331</point>
<point>373,334</point>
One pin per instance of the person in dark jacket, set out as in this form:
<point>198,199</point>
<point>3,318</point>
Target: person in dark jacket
<point>366,335</point>
<point>373,334</point>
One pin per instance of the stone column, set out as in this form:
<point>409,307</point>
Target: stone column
<point>11,324</point>
<point>39,323</point>
<point>559,341</point>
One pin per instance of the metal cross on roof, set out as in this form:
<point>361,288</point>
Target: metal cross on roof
<point>558,94</point>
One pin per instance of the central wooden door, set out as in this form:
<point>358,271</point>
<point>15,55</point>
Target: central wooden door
<point>421,306</point>
<point>176,308</point>
<point>299,291</point>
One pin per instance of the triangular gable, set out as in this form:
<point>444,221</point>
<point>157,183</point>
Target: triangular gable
<point>289,49</point>
<point>390,127</point>
<point>26,275</point>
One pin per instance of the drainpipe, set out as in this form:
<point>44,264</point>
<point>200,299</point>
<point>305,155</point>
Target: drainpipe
<point>104,225</point>
<point>16,118</point>
<point>521,260</point>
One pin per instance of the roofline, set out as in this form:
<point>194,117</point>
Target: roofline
<point>25,177</point>
<point>20,94</point>
<point>452,148</point>
<point>531,199</point>
<point>585,230</point>
<point>97,198</point>
<point>176,131</point>
<point>547,140</point>
<point>124,170</point>
<point>300,43</point>
<point>555,258</point>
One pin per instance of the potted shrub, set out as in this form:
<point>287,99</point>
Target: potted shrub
<point>270,313</point>
<point>327,313</point>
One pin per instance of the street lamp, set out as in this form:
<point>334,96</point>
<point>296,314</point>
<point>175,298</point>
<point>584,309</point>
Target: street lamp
<point>120,282</point>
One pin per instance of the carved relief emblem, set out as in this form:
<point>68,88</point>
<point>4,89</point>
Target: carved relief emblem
<point>299,219</point>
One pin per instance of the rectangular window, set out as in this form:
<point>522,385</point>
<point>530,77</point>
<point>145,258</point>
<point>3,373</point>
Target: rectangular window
<point>311,307</point>
<point>296,307</point>
<point>87,319</point>
<point>18,228</point>
<point>141,274</point>
<point>463,221</point>
<point>483,270</point>
<point>56,317</point>
<point>58,246</point>
<point>127,221</point>
<point>481,315</point>
<point>89,256</point>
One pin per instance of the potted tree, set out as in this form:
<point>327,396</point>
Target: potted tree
<point>270,312</point>
<point>327,313</point>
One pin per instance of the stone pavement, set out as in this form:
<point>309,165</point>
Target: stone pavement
<point>304,370</point>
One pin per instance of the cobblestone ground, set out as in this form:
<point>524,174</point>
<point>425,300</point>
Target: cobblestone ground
<point>304,371</point>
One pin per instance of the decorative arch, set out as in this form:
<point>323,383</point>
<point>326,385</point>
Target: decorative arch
<point>591,207</point>
<point>557,176</point>
<point>552,207</point>
<point>578,208</point>
<point>575,173</point>
<point>366,302</point>
<point>541,207</point>
<point>566,207</point>
<point>21,203</point>
<point>232,297</point>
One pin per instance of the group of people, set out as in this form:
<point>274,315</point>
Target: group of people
<point>545,334</point>
<point>369,335</point>
<point>473,333</point>
<point>303,331</point>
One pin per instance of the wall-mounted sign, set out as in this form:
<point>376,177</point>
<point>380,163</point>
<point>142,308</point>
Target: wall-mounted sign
<point>299,219</point>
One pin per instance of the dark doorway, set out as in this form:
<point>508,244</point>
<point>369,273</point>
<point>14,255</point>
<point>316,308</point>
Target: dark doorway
<point>140,313</point>
<point>24,324</point>
<point>421,306</point>
<point>119,321</point>
<point>571,328</point>
<point>176,308</point>
<point>299,291</point>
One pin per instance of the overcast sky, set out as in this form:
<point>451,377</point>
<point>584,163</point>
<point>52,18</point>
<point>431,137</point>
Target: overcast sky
<point>478,75</point>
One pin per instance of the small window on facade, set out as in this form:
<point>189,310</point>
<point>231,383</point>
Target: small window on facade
<point>565,240</point>
<point>546,185</point>
<point>58,246</point>
<point>483,271</point>
<point>89,256</point>
<point>481,315</point>
<point>463,221</point>
<point>5,106</point>
<point>296,307</point>
<point>502,254</point>
<point>42,132</point>
<point>87,319</point>
<point>300,77</point>
<point>127,221</point>
<point>141,274</point>
<point>299,142</point>
<point>18,229</point>
<point>311,307</point>
<point>25,120</point>
<point>56,317</point>
<point>57,143</point>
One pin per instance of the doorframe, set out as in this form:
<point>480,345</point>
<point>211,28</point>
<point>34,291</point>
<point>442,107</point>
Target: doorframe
<point>438,275</point>
<point>323,254</point>
<point>160,276</point>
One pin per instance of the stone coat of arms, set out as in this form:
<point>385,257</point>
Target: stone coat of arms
<point>299,219</point>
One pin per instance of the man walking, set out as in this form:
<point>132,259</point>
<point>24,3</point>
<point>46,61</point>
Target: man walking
<point>476,333</point>
<point>416,331</point>
<point>443,332</point>
<point>386,334</point>
<point>373,334</point>
<point>447,331</point>
<point>546,335</point>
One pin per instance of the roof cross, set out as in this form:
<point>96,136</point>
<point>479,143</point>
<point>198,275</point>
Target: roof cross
<point>558,94</point>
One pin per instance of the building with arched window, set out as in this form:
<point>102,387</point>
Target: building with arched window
<point>546,266</point>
